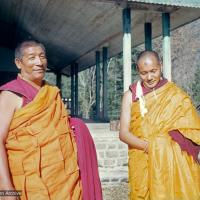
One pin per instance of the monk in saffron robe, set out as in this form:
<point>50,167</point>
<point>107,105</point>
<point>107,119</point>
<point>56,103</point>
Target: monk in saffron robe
<point>162,129</point>
<point>38,148</point>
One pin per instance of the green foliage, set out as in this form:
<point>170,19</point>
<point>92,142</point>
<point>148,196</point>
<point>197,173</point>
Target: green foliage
<point>134,75</point>
<point>51,78</point>
<point>66,86</point>
<point>115,86</point>
<point>86,98</point>
<point>65,83</point>
<point>115,78</point>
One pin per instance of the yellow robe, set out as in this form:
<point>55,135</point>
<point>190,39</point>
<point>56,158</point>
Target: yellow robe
<point>166,172</point>
<point>41,149</point>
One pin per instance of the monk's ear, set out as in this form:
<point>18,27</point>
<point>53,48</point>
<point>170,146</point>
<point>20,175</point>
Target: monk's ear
<point>161,67</point>
<point>161,70</point>
<point>18,63</point>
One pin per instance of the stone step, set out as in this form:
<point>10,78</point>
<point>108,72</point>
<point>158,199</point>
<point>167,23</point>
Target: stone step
<point>103,129</point>
<point>113,176</point>
<point>111,153</point>
<point>98,126</point>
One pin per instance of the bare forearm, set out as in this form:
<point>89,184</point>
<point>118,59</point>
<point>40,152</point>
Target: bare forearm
<point>5,178</point>
<point>133,141</point>
<point>125,119</point>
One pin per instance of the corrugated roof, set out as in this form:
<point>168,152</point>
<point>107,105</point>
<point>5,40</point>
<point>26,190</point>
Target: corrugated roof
<point>184,3</point>
<point>73,30</point>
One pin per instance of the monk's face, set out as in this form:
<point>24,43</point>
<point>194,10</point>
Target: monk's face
<point>149,71</point>
<point>33,63</point>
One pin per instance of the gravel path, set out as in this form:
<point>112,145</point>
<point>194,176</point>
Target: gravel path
<point>115,192</point>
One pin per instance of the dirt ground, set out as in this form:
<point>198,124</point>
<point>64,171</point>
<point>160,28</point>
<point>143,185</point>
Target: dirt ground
<point>115,192</point>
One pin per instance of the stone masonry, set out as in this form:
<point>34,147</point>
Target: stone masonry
<point>111,154</point>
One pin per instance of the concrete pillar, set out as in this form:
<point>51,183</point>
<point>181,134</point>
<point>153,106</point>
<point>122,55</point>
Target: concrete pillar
<point>105,83</point>
<point>76,89</point>
<point>148,36</point>
<point>126,47</point>
<point>166,46</point>
<point>72,90</point>
<point>97,56</point>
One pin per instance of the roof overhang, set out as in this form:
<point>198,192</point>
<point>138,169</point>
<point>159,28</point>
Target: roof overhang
<point>73,30</point>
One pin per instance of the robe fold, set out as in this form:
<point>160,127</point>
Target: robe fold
<point>185,144</point>
<point>166,172</point>
<point>87,158</point>
<point>41,150</point>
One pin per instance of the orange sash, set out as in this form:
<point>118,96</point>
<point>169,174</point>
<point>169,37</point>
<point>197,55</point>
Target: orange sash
<point>166,172</point>
<point>42,153</point>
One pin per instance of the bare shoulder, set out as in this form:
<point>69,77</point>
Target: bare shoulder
<point>127,100</point>
<point>127,97</point>
<point>10,100</point>
<point>126,109</point>
<point>9,103</point>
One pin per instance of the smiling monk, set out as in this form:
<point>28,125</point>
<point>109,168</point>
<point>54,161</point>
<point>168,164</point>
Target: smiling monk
<point>38,151</point>
<point>162,129</point>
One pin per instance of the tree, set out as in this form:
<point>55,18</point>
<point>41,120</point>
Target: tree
<point>66,87</point>
<point>115,76</point>
<point>51,78</point>
<point>87,85</point>
<point>115,86</point>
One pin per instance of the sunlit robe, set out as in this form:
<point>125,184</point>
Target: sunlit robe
<point>41,150</point>
<point>166,172</point>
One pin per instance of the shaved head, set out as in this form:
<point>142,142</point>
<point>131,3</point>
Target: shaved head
<point>149,68</point>
<point>148,54</point>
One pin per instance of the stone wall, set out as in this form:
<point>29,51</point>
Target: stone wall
<point>111,153</point>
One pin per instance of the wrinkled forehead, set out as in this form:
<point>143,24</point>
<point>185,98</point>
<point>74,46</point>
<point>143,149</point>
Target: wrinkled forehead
<point>32,49</point>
